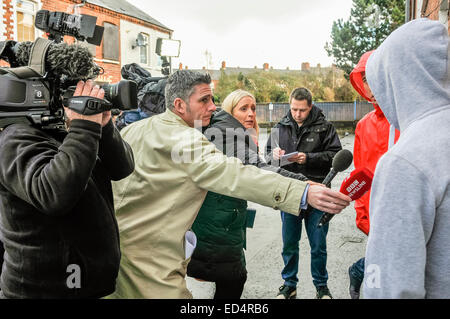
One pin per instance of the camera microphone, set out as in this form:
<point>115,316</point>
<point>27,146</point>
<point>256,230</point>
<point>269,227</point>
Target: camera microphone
<point>71,62</point>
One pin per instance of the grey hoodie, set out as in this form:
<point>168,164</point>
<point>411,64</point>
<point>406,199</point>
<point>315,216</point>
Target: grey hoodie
<point>408,250</point>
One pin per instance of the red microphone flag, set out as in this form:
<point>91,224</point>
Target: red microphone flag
<point>357,183</point>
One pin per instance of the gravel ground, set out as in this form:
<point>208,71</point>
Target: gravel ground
<point>346,244</point>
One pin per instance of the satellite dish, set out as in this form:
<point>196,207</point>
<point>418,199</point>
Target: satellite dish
<point>140,41</point>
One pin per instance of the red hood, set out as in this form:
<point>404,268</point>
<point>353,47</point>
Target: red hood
<point>357,82</point>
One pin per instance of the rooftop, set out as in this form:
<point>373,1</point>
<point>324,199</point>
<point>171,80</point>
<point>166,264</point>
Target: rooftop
<point>124,7</point>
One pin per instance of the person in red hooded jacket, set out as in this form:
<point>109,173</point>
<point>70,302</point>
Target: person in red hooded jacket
<point>373,136</point>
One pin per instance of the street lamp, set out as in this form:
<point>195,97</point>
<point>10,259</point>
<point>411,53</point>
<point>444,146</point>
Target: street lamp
<point>167,48</point>
<point>270,109</point>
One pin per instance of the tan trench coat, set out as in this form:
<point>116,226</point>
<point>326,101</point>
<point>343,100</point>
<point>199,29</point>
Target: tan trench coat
<point>175,166</point>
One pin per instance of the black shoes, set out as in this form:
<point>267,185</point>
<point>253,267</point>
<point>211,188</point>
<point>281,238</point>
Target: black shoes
<point>355,285</point>
<point>323,293</point>
<point>287,292</point>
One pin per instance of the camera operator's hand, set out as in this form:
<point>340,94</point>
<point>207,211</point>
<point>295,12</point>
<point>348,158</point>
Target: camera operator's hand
<point>100,93</point>
<point>106,116</point>
<point>87,89</point>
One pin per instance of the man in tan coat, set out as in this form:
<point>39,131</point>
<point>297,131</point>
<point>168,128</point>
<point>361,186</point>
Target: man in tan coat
<point>175,166</point>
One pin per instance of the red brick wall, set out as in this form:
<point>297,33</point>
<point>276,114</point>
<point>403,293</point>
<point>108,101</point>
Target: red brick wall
<point>434,5</point>
<point>7,22</point>
<point>7,18</point>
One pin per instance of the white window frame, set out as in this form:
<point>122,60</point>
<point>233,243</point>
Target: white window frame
<point>147,48</point>
<point>16,9</point>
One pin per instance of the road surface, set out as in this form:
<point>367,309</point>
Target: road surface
<point>345,243</point>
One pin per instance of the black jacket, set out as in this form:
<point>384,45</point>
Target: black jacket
<point>56,209</point>
<point>1,257</point>
<point>240,144</point>
<point>221,222</point>
<point>316,137</point>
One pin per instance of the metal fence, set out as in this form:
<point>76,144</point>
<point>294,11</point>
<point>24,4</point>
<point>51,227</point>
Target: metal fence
<point>334,111</point>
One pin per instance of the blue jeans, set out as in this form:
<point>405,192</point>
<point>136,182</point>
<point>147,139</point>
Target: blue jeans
<point>357,269</point>
<point>291,233</point>
<point>134,116</point>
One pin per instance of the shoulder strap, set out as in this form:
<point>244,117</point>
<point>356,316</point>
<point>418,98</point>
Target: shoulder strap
<point>36,64</point>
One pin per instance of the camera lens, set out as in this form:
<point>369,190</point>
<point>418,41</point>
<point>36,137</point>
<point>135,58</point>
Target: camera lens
<point>123,95</point>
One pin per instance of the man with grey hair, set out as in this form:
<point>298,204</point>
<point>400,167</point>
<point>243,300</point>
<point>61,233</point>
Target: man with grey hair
<point>175,166</point>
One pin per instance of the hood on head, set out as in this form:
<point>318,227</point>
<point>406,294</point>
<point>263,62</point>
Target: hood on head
<point>356,79</point>
<point>409,73</point>
<point>356,75</point>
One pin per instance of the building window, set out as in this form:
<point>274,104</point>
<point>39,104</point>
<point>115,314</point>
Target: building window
<point>25,13</point>
<point>111,42</point>
<point>143,49</point>
<point>159,62</point>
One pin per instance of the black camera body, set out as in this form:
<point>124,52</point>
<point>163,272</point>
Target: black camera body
<point>26,101</point>
<point>83,26</point>
<point>43,74</point>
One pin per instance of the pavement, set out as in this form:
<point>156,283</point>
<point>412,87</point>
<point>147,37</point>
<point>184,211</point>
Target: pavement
<point>345,245</point>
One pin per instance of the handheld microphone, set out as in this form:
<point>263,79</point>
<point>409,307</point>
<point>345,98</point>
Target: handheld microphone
<point>354,186</point>
<point>357,183</point>
<point>341,161</point>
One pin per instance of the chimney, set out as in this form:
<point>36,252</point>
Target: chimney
<point>224,65</point>
<point>266,66</point>
<point>180,66</point>
<point>186,67</point>
<point>305,66</point>
<point>203,67</point>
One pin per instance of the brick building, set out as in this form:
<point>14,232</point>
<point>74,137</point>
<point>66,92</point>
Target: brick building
<point>433,9</point>
<point>122,22</point>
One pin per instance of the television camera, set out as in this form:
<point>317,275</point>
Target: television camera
<point>43,74</point>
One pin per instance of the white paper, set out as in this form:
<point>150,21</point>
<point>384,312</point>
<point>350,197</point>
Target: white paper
<point>284,158</point>
<point>190,242</point>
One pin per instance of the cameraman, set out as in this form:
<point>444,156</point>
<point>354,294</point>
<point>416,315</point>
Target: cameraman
<point>57,217</point>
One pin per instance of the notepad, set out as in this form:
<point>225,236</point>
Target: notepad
<point>284,159</point>
<point>190,242</point>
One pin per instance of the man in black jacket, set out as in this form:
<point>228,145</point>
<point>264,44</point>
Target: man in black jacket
<point>57,219</point>
<point>304,130</point>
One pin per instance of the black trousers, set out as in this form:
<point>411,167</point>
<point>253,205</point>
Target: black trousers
<point>2,251</point>
<point>230,289</point>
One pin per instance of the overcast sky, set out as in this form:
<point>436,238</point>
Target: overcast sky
<point>248,33</point>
